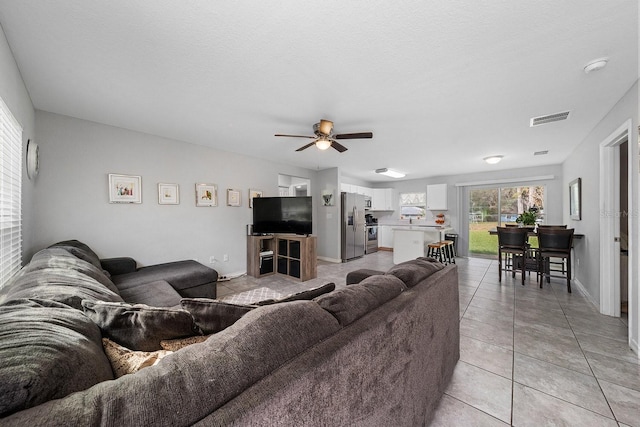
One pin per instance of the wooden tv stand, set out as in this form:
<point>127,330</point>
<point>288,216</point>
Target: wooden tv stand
<point>288,254</point>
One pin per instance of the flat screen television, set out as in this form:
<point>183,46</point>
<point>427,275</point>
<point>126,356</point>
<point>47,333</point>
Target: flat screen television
<point>282,215</point>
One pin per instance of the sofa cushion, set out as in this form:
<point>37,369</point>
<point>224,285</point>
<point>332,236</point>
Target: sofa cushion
<point>353,302</point>
<point>126,361</point>
<point>140,327</point>
<point>79,250</point>
<point>47,351</point>
<point>57,284</point>
<point>416,270</point>
<point>180,274</point>
<point>309,294</point>
<point>158,293</point>
<point>212,316</point>
<point>58,257</point>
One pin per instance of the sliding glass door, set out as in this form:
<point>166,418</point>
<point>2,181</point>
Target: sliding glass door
<point>496,207</point>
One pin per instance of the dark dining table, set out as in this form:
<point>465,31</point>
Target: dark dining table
<point>532,233</point>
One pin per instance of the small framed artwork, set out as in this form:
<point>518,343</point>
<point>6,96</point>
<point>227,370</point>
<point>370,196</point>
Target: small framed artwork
<point>233,197</point>
<point>206,195</point>
<point>168,194</point>
<point>575,199</point>
<point>125,188</point>
<point>252,195</point>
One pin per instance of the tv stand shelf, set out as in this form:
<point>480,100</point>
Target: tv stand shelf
<point>290,255</point>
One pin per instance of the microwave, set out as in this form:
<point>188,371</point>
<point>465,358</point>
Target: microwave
<point>367,203</point>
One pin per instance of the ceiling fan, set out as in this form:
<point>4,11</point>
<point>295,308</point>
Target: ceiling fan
<point>325,138</point>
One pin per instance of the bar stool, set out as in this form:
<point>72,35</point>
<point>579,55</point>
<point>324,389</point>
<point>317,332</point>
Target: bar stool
<point>435,250</point>
<point>451,250</point>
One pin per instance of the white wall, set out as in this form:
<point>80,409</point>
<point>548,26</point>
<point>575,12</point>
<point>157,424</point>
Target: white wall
<point>71,194</point>
<point>14,93</point>
<point>584,162</point>
<point>328,217</point>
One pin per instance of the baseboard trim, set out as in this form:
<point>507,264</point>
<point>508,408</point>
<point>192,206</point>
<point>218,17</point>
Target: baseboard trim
<point>580,286</point>
<point>327,259</point>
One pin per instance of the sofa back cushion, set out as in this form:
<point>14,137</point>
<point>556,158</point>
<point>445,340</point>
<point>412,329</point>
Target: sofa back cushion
<point>140,327</point>
<point>303,295</point>
<point>58,257</point>
<point>64,285</point>
<point>79,250</point>
<point>47,351</point>
<point>414,271</point>
<point>354,301</point>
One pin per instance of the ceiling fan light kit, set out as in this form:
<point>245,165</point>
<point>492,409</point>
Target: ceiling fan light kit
<point>325,138</point>
<point>492,160</point>
<point>390,173</point>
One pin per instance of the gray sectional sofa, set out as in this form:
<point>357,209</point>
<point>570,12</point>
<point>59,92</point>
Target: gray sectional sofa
<point>380,352</point>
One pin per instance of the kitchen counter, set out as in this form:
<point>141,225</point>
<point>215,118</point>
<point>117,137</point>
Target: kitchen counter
<point>410,241</point>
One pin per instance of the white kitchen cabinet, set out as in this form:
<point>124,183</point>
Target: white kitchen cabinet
<point>382,199</point>
<point>437,197</point>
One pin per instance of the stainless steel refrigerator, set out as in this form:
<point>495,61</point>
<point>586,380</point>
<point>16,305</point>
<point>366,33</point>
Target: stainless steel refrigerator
<point>353,226</point>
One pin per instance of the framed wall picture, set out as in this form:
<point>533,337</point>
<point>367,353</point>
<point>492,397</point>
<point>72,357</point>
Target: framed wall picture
<point>125,188</point>
<point>168,194</point>
<point>252,195</point>
<point>575,199</point>
<point>206,195</point>
<point>233,197</point>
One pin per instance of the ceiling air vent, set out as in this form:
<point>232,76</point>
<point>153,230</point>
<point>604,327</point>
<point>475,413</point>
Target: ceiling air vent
<point>536,121</point>
<point>541,153</point>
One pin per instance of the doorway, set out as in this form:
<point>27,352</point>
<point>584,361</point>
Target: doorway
<point>614,196</point>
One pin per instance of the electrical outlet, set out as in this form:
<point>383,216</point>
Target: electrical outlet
<point>225,257</point>
<point>212,259</point>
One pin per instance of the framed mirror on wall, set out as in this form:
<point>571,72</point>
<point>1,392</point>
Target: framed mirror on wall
<point>575,199</point>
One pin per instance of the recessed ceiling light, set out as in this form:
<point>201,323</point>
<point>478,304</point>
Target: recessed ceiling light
<point>595,65</point>
<point>492,160</point>
<point>390,172</point>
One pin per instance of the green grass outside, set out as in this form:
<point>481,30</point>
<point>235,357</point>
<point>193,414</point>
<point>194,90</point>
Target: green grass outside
<point>483,243</point>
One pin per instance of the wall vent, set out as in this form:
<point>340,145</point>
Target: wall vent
<point>541,153</point>
<point>537,121</point>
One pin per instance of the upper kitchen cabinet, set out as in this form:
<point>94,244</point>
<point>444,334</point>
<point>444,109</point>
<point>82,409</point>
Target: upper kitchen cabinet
<point>437,197</point>
<point>382,199</point>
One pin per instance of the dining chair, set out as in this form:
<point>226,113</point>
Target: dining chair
<point>512,242</point>
<point>554,243</point>
<point>551,226</point>
<point>562,262</point>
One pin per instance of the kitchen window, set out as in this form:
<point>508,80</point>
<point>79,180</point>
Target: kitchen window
<point>413,205</point>
<point>10,194</point>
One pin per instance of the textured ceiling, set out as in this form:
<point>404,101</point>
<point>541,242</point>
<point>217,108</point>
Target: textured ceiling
<point>440,83</point>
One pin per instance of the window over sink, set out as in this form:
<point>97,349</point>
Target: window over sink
<point>413,205</point>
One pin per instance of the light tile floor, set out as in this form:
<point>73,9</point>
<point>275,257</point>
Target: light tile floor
<point>528,356</point>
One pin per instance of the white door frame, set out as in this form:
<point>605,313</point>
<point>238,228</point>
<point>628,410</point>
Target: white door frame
<point>610,218</point>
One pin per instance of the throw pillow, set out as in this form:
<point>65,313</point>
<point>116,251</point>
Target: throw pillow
<point>140,327</point>
<point>125,361</point>
<point>177,344</point>
<point>309,294</point>
<point>212,316</point>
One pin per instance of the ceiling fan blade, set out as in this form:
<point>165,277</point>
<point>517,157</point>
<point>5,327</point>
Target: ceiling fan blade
<point>304,147</point>
<point>359,135</point>
<point>294,136</point>
<point>341,148</point>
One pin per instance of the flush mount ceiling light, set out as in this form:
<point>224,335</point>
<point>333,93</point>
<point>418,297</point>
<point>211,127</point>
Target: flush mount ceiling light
<point>595,65</point>
<point>390,172</point>
<point>492,160</point>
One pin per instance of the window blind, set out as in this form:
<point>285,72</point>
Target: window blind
<point>10,194</point>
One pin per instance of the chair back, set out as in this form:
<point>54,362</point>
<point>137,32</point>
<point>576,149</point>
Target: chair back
<point>552,226</point>
<point>512,237</point>
<point>555,239</point>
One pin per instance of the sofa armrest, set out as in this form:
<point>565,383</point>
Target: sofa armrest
<point>122,265</point>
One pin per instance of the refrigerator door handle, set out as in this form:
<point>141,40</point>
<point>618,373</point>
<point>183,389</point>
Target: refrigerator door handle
<point>355,218</point>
